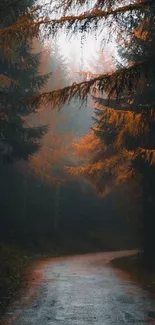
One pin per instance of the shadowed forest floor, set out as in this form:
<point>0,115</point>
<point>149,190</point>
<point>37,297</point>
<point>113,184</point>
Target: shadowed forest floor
<point>134,266</point>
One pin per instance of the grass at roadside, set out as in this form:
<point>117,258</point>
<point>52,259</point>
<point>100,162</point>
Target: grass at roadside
<point>138,272</point>
<point>12,264</point>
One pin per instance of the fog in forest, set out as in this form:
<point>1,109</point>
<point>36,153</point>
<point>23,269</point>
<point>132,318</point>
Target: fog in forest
<point>46,204</point>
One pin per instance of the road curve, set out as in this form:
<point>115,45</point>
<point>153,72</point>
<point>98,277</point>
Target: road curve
<point>81,290</point>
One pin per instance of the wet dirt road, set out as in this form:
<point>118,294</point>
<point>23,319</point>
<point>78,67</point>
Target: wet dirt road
<point>82,290</point>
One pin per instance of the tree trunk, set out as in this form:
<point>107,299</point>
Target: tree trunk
<point>25,192</point>
<point>57,205</point>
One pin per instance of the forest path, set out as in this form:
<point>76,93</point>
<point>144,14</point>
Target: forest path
<point>82,290</point>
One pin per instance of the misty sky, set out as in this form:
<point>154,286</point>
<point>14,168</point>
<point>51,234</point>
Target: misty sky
<point>71,48</point>
<point>72,118</point>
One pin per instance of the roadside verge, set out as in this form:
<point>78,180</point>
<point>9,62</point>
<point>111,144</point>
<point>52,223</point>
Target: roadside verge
<point>134,266</point>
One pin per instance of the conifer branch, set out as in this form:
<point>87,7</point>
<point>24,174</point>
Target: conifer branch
<point>115,84</point>
<point>29,25</point>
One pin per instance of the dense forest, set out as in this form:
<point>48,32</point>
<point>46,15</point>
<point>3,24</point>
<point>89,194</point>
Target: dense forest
<point>76,140</point>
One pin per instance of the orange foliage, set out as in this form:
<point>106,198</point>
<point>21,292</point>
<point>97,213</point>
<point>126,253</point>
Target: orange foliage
<point>48,163</point>
<point>105,167</point>
<point>86,145</point>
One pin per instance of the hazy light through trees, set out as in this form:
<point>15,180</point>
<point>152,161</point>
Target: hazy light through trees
<point>83,46</point>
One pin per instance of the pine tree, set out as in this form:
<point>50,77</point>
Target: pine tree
<point>20,79</point>
<point>125,118</point>
<point>141,104</point>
